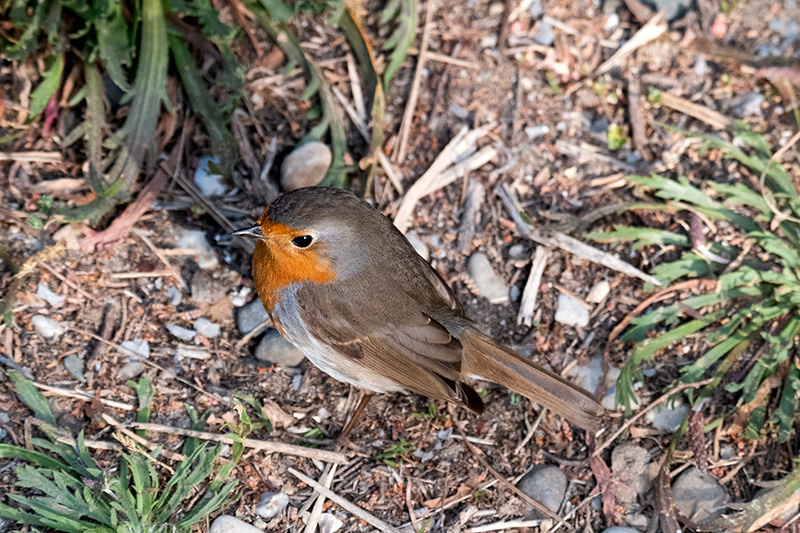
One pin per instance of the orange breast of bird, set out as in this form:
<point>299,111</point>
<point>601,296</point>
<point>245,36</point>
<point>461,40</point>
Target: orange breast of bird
<point>277,264</point>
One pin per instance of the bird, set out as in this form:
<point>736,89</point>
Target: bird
<point>346,287</point>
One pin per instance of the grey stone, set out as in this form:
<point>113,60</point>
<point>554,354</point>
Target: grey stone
<point>748,104</point>
<point>517,252</point>
<point>514,293</point>
<point>329,523</point>
<point>534,132</point>
<point>175,296</point>
<point>668,417</point>
<point>48,328</point>
<point>134,367</point>
<point>674,9</point>
<point>617,529</point>
<point>546,484</point>
<point>598,292</point>
<point>274,349</point>
<point>698,496</point>
<point>570,312</point>
<point>181,333</point>
<point>545,36</point>
<point>418,245</point>
<point>271,504</point>
<point>599,126</point>
<point>206,328</point>
<point>488,283</point>
<point>535,9</point>
<point>229,524</point>
<point>631,465</point>
<point>250,316</point>
<point>195,240</point>
<point>305,166</point>
<point>589,376</point>
<point>44,292</point>
<point>75,366</point>
<point>207,180</point>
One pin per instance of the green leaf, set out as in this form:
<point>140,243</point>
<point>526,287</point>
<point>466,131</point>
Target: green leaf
<point>642,236</point>
<point>216,122</point>
<point>49,85</point>
<point>616,137</point>
<point>34,399</point>
<point>788,404</point>
<point>145,392</point>
<point>114,44</point>
<point>403,36</point>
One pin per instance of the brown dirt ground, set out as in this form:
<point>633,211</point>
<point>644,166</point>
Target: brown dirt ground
<point>509,89</point>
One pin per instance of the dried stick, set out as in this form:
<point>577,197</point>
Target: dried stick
<point>262,445</point>
<point>81,395</point>
<point>713,118</point>
<point>31,157</point>
<point>316,512</point>
<point>531,292</point>
<point>655,28</point>
<point>408,114</point>
<point>344,504</point>
<point>567,243</point>
<point>476,193</point>
<point>457,149</point>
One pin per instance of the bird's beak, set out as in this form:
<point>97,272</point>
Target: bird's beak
<point>254,232</point>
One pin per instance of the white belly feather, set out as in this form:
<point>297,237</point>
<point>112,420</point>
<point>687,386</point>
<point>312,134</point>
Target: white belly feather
<point>333,363</point>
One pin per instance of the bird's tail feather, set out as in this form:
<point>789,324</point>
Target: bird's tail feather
<point>494,362</point>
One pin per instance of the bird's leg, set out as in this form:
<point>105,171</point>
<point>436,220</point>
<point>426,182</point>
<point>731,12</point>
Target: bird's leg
<point>356,416</point>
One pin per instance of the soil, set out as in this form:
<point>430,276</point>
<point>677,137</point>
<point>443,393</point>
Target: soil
<point>109,294</point>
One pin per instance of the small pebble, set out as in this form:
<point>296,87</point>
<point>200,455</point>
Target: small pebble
<point>514,293</point>
<point>698,496</point>
<point>598,292</point>
<point>274,349</point>
<point>570,312</point>
<point>611,22</point>
<point>517,252</point>
<point>175,296</point>
<point>535,9</point>
<point>418,245</point>
<point>490,41</point>
<point>534,132</point>
<point>675,9</point>
<point>74,365</point>
<point>488,283</point>
<point>134,366</point>
<point>44,292</point>
<point>182,333</point>
<point>748,104</point>
<point>195,240</point>
<point>496,9</point>
<point>701,67</point>
<point>589,376</point>
<point>48,328</point>
<point>207,179</point>
<point>545,36</point>
<point>229,524</point>
<point>251,316</point>
<point>271,504</point>
<point>206,328</point>
<point>328,523</point>
<point>239,298</point>
<point>546,484</point>
<point>631,464</point>
<point>668,417</point>
<point>305,166</point>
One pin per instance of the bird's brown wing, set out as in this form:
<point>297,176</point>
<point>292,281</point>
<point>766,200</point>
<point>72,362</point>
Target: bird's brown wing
<point>391,336</point>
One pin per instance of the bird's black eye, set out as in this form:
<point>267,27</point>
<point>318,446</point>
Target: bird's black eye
<point>302,241</point>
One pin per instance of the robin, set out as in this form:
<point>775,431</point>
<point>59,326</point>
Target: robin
<point>345,286</point>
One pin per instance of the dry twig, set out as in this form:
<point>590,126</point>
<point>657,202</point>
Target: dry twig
<point>263,445</point>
